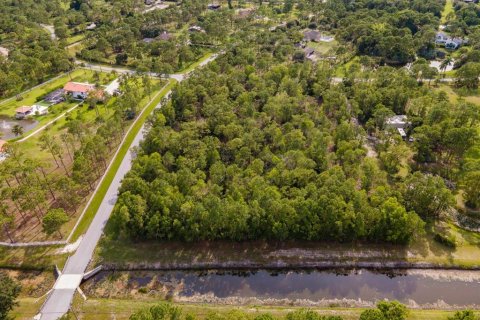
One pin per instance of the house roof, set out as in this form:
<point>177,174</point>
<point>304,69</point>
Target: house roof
<point>78,87</point>
<point>196,28</point>
<point>4,51</point>
<point>23,109</point>
<point>312,35</point>
<point>91,26</point>
<point>398,119</point>
<point>213,6</point>
<point>148,40</point>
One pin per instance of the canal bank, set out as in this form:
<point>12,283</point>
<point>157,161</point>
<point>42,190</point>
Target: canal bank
<point>354,288</point>
<point>424,253</point>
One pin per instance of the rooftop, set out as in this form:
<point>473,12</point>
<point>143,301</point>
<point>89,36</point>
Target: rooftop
<point>399,119</point>
<point>78,87</point>
<point>312,35</point>
<point>4,51</point>
<point>23,109</point>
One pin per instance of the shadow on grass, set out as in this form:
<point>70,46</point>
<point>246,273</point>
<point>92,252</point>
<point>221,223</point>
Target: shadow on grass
<point>30,258</point>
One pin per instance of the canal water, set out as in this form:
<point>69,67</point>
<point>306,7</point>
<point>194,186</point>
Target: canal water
<point>416,288</point>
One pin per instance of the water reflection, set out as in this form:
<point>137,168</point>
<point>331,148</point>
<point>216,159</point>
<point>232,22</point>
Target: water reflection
<point>423,287</point>
<point>7,123</point>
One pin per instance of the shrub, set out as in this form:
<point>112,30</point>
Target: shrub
<point>446,240</point>
<point>143,290</point>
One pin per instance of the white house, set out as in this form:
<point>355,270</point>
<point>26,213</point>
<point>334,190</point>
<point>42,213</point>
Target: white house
<point>397,122</point>
<point>196,28</point>
<point>441,37</point>
<point>78,90</point>
<point>39,110</point>
<point>444,39</point>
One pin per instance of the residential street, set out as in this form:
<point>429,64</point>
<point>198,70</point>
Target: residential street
<point>59,300</point>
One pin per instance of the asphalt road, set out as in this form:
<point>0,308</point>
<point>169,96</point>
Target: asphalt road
<point>59,300</point>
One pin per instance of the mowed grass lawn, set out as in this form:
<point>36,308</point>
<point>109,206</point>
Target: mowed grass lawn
<point>323,47</point>
<point>75,38</point>
<point>446,11</point>
<point>34,96</point>
<point>455,96</point>
<point>121,309</point>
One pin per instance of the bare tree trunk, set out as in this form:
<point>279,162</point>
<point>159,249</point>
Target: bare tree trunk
<point>9,235</point>
<point>48,184</point>
<point>64,167</point>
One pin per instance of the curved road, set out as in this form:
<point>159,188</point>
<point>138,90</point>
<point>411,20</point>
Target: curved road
<point>59,301</point>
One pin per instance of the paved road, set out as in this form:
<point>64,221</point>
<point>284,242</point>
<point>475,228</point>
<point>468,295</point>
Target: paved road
<point>106,68</point>
<point>59,300</point>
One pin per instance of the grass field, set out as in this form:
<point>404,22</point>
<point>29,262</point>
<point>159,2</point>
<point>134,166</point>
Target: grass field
<point>454,95</point>
<point>323,47</point>
<point>75,38</point>
<point>446,11</point>
<point>100,194</point>
<point>120,309</point>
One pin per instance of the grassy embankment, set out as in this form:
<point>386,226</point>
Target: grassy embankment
<point>425,249</point>
<point>35,285</point>
<point>110,174</point>
<point>120,309</point>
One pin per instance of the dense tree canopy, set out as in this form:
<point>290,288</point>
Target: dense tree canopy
<point>248,152</point>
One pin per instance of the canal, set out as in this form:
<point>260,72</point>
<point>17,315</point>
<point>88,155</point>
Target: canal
<point>416,288</point>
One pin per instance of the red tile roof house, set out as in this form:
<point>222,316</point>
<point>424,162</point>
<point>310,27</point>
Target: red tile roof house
<point>23,112</point>
<point>78,90</point>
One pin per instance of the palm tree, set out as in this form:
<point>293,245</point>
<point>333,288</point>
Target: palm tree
<point>17,130</point>
<point>445,63</point>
